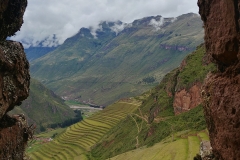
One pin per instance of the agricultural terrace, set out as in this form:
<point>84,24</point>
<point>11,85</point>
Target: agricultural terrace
<point>78,139</point>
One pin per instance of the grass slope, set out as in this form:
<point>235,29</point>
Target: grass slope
<point>111,67</point>
<point>43,107</point>
<point>155,119</point>
<point>79,138</point>
<point>184,147</point>
<point>122,137</point>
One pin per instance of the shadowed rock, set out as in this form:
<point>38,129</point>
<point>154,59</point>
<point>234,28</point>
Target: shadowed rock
<point>221,23</point>
<point>14,82</point>
<point>221,90</point>
<point>11,17</point>
<point>14,75</point>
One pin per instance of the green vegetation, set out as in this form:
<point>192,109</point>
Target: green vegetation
<point>155,117</point>
<point>146,123</point>
<point>43,138</point>
<point>122,137</point>
<point>149,79</point>
<point>79,138</point>
<point>184,147</point>
<point>46,109</point>
<point>204,136</point>
<point>195,70</point>
<point>109,67</point>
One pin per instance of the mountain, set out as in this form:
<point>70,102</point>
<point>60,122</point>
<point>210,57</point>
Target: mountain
<point>33,53</point>
<point>45,109</point>
<point>151,119</point>
<point>118,60</point>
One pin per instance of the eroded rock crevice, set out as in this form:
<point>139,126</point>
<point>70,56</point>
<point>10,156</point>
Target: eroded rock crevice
<point>187,99</point>
<point>221,90</point>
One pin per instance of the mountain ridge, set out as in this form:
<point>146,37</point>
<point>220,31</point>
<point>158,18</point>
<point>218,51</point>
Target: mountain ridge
<point>112,66</point>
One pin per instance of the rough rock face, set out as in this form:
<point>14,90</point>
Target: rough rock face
<point>221,90</point>
<point>14,75</point>
<point>222,110</point>
<point>221,21</point>
<point>185,100</point>
<point>14,81</point>
<point>13,137</point>
<point>11,17</point>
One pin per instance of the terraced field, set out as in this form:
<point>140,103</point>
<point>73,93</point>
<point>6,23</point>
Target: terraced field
<point>183,148</point>
<point>78,139</point>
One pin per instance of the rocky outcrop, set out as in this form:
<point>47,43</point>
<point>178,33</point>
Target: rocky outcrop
<point>185,100</point>
<point>14,81</point>
<point>14,134</point>
<point>221,90</point>
<point>11,17</point>
<point>221,23</point>
<point>14,76</point>
<point>189,80</point>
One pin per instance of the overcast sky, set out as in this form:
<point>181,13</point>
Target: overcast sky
<point>64,18</point>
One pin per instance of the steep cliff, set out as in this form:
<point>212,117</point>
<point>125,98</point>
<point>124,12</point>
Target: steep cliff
<point>221,89</point>
<point>185,100</point>
<point>14,81</point>
<point>189,79</point>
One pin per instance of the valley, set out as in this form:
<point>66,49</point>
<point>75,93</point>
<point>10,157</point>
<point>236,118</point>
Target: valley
<point>115,65</point>
<point>131,127</point>
<point>154,88</point>
<point>86,109</point>
<point>120,94</point>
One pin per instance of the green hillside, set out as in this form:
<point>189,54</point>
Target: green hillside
<point>185,146</point>
<point>155,120</point>
<point>145,123</point>
<point>113,66</point>
<point>126,136</point>
<point>79,138</point>
<point>45,109</point>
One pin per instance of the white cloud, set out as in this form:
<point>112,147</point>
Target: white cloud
<point>95,28</point>
<point>157,24</point>
<point>64,18</point>
<point>118,27</point>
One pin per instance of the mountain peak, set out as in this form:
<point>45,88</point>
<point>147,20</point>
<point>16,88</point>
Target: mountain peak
<point>146,20</point>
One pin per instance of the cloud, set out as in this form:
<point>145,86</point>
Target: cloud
<point>52,21</point>
<point>118,27</point>
<point>157,24</point>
